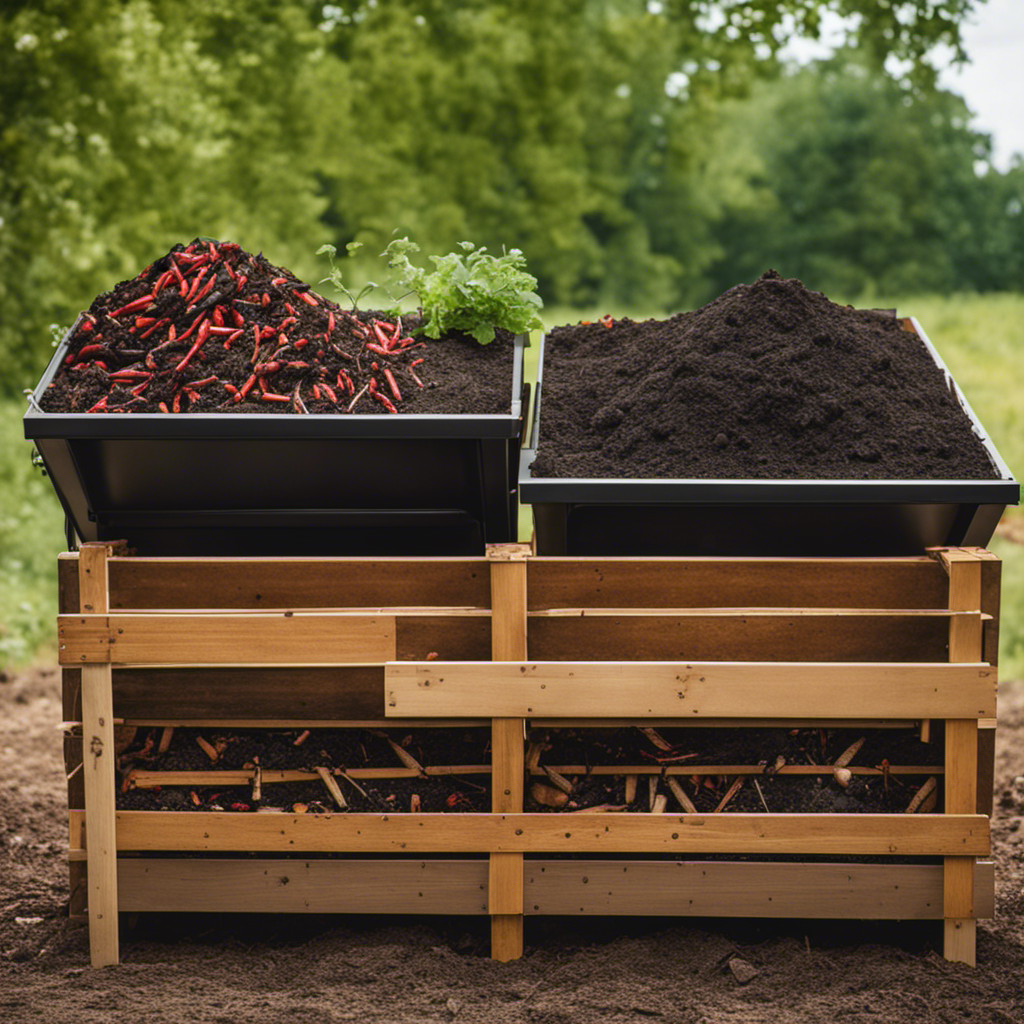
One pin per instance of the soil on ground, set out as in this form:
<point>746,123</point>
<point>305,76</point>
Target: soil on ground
<point>211,328</point>
<point>768,381</point>
<point>265,969</point>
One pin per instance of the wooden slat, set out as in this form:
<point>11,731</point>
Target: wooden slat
<point>508,641</point>
<point>307,696</point>
<point>916,582</point>
<point>254,638</point>
<point>739,636</point>
<point>303,887</point>
<point>745,889</point>
<point>98,769</point>
<point>961,788</point>
<point>140,583</point>
<point>692,690</point>
<point>854,834</point>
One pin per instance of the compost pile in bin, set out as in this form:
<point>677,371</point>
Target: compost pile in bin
<point>768,381</point>
<point>634,770</point>
<point>209,327</point>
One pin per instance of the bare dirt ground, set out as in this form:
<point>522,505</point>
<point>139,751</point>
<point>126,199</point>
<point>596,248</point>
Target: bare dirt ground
<point>240,968</point>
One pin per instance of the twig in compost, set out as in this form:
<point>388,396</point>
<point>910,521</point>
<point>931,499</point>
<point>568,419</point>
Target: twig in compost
<point>730,793</point>
<point>352,782</point>
<point>165,739</point>
<point>684,801</point>
<point>660,803</point>
<point>332,787</point>
<point>559,780</point>
<point>208,748</point>
<point>599,809</point>
<point>921,795</point>
<point>631,781</point>
<point>652,790</point>
<point>764,803</point>
<point>655,737</point>
<point>352,404</point>
<point>301,738</point>
<point>849,753</point>
<point>257,784</point>
<point>403,755</point>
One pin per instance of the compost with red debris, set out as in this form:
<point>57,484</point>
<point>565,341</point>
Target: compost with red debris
<point>768,381</point>
<point>211,328</point>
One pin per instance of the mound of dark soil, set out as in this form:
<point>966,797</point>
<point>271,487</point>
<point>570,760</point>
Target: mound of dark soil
<point>211,328</point>
<point>768,381</point>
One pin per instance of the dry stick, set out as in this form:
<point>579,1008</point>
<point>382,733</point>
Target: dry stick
<point>919,796</point>
<point>352,782</point>
<point>660,803</point>
<point>533,754</point>
<point>764,803</point>
<point>559,780</point>
<point>165,739</point>
<point>849,753</point>
<point>730,793</point>
<point>301,738</point>
<point>655,737</point>
<point>403,755</point>
<point>631,788</point>
<point>599,809</point>
<point>548,796</point>
<point>257,785</point>
<point>652,790</point>
<point>208,748</point>
<point>352,404</point>
<point>332,787</point>
<point>684,801</point>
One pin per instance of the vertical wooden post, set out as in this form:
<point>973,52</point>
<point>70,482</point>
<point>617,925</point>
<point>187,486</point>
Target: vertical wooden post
<point>98,769</point>
<point>965,644</point>
<point>508,643</point>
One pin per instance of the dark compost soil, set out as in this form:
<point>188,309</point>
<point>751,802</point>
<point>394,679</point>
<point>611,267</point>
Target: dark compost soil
<point>768,381</point>
<point>223,969</point>
<point>266,343</point>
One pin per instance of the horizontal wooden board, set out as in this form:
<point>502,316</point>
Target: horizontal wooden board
<point>691,690</point>
<point>298,887</point>
<point>854,834</point>
<point>306,696</point>
<point>255,638</point>
<point>142,583</point>
<point>745,889</point>
<point>914,582</point>
<point>738,636</point>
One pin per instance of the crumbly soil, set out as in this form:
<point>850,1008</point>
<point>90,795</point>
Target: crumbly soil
<point>265,969</point>
<point>768,381</point>
<point>261,331</point>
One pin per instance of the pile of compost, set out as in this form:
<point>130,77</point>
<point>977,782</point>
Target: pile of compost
<point>209,327</point>
<point>768,381</point>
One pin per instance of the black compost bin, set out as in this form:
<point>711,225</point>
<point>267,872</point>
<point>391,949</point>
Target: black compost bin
<point>223,483</point>
<point>763,517</point>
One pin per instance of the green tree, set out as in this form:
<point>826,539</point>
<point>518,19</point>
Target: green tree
<point>858,183</point>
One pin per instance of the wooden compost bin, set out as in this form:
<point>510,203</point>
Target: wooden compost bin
<point>572,642</point>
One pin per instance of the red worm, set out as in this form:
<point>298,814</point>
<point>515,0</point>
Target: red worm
<point>196,384</point>
<point>306,298</point>
<point>182,287</point>
<point>204,291</point>
<point>122,375</point>
<point>232,390</point>
<point>381,336</point>
<point>344,381</point>
<point>393,384</point>
<point>246,388</point>
<point>279,281</point>
<point>231,273</point>
<point>222,330</point>
<point>203,334</point>
<point>90,350</point>
<point>163,407</point>
<point>142,387</point>
<point>384,400</point>
<point>291,309</point>
<point>232,338</point>
<point>238,318</point>
<point>176,404</point>
<point>100,405</point>
<point>144,321</point>
<point>195,285</point>
<point>330,393</point>
<point>162,281</point>
<point>330,322</point>
<point>256,349</point>
<point>265,300</point>
<point>271,397</point>
<point>218,316</point>
<point>302,343</point>
<point>377,348</point>
<point>132,307</point>
<point>155,327</point>
<point>287,322</point>
<point>86,327</point>
<point>412,373</point>
<point>195,323</point>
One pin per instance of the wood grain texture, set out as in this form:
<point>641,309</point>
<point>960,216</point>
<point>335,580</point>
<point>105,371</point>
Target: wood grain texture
<point>859,834</point>
<point>98,771</point>
<point>688,691</point>
<point>916,582</point>
<point>307,695</point>
<point>303,887</point>
<point>745,889</point>
<point>149,583</point>
<point>744,636</point>
<point>255,638</point>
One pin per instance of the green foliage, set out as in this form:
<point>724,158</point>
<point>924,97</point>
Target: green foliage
<point>335,276</point>
<point>857,183</point>
<point>470,291</point>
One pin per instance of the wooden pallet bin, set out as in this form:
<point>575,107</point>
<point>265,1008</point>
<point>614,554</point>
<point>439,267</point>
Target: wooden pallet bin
<point>315,642</point>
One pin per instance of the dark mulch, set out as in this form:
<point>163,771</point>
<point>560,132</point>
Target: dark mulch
<point>312,355</point>
<point>768,381</point>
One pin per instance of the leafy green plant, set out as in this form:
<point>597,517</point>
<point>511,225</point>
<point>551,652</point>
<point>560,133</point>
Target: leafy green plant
<point>335,277</point>
<point>470,291</point>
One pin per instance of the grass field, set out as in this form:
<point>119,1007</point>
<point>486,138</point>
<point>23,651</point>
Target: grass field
<point>981,338</point>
